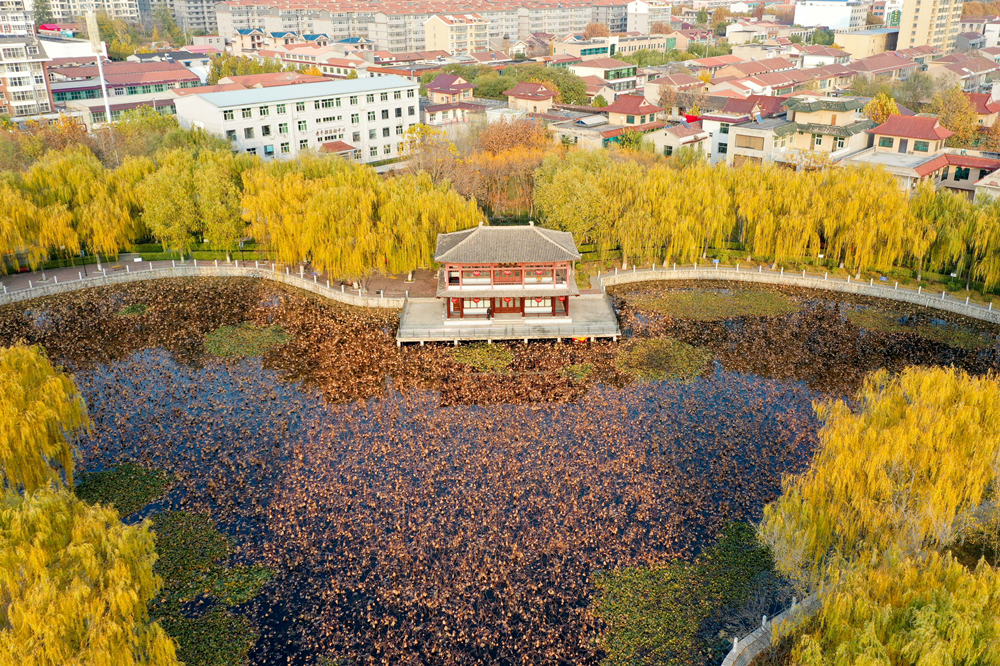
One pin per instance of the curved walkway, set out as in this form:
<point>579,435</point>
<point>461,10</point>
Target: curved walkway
<point>936,300</point>
<point>166,269</point>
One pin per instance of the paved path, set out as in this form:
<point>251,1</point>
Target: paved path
<point>889,290</point>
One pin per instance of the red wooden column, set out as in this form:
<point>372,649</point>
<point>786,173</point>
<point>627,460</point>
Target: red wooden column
<point>566,302</point>
<point>554,298</point>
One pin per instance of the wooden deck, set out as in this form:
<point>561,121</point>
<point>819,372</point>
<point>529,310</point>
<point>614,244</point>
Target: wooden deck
<point>423,321</point>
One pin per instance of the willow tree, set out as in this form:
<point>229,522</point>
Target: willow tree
<point>901,611</point>
<point>75,178</point>
<point>909,469</point>
<point>275,205</point>
<point>32,229</point>
<point>776,210</point>
<point>75,584</point>
<point>413,211</point>
<point>929,215</point>
<point>959,235</point>
<point>567,193</point>
<point>41,416</point>
<point>218,192</point>
<point>987,243</point>
<point>170,210</point>
<point>628,211</point>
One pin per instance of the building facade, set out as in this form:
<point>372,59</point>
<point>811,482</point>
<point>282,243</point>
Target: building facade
<point>833,14</point>
<point>371,115</point>
<point>24,81</point>
<point>935,23</point>
<point>458,34</point>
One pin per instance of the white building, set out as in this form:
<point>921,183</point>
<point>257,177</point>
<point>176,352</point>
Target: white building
<point>834,14</point>
<point>642,16</point>
<point>69,11</point>
<point>365,119</point>
<point>458,34</point>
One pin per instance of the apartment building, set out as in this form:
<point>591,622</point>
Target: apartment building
<point>194,15</point>
<point>642,16</point>
<point>834,14</point>
<point>371,116</point>
<point>458,34</point>
<point>615,16</point>
<point>621,77</point>
<point>24,83</point>
<point>15,18</point>
<point>69,11</point>
<point>932,22</point>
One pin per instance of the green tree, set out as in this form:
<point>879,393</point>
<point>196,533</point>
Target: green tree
<point>170,210</point>
<point>702,17</point>
<point>42,11</point>
<point>633,140</point>
<point>41,416</point>
<point>599,102</point>
<point>218,191</point>
<point>76,583</point>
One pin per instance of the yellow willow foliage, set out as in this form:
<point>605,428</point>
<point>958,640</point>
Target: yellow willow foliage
<point>170,210</point>
<point>502,181</point>
<point>928,217</point>
<point>413,212</point>
<point>33,230</point>
<point>627,209</point>
<point>75,178</point>
<point>41,415</point>
<point>127,180</point>
<point>347,220</point>
<point>986,243</point>
<point>74,585</point>
<point>908,469</point>
<point>907,611</point>
<point>218,197</point>
<point>567,190</point>
<point>704,209</point>
<point>864,215</point>
<point>960,233</point>
<point>776,208</point>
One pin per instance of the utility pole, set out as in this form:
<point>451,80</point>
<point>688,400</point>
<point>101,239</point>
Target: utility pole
<point>95,44</point>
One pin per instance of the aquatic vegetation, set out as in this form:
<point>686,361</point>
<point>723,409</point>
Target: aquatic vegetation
<point>244,340</point>
<point>715,305</point>
<point>662,359</point>
<point>133,310</point>
<point>484,357</point>
<point>949,334</point>
<point>127,487</point>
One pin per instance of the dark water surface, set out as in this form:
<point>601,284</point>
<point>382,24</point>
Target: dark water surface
<point>433,516</point>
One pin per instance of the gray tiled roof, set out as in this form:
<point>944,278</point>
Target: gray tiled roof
<point>505,245</point>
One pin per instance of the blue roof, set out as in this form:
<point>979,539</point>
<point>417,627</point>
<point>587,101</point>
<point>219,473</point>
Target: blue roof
<point>350,40</point>
<point>313,38</point>
<point>281,34</point>
<point>244,31</point>
<point>278,94</point>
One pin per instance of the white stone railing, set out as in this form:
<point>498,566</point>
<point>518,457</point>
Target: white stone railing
<point>758,275</point>
<point>770,630</point>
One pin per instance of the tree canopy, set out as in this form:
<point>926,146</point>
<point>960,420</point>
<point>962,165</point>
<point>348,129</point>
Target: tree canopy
<point>41,416</point>
<point>75,583</point>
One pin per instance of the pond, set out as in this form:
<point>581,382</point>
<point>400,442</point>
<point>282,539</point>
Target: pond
<point>418,506</point>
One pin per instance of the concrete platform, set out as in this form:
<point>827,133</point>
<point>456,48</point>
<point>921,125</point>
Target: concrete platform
<point>423,321</point>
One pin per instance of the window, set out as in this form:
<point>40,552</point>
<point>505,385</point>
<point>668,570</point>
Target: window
<point>385,114</point>
<point>668,151</point>
<point>248,132</point>
<point>372,133</point>
<point>630,120</point>
<point>384,97</point>
<point>302,126</point>
<point>356,137</point>
<point>282,128</point>
<point>303,144</point>
<point>723,128</point>
<point>279,108</point>
<point>373,151</point>
<point>723,148</point>
<point>387,149</point>
<point>231,135</point>
<point>228,114</point>
<point>300,106</point>
<point>399,112</point>
<point>285,148</point>
<point>885,142</point>
<point>399,130</point>
<point>410,111</point>
<point>962,173</point>
<point>921,146</point>
<point>251,151</point>
<point>410,94</point>
<point>751,142</point>
<point>370,99</point>
<point>265,130</point>
<point>355,118</point>
<point>944,174</point>
<point>838,142</point>
<point>371,116</point>
<point>264,111</point>
<point>268,150</point>
<point>354,99</point>
<point>398,94</point>
<point>248,113</point>
<point>818,140</point>
<point>399,147</point>
<point>385,131</point>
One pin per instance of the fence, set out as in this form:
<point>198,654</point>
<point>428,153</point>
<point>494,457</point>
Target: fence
<point>747,648</point>
<point>878,289</point>
<point>147,271</point>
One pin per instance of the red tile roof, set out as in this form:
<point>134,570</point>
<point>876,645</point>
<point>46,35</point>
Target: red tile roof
<point>912,127</point>
<point>336,147</point>
<point>648,127</point>
<point>950,159</point>
<point>449,84</point>
<point>984,103</point>
<point>604,63</point>
<point>633,105</point>
<point>678,81</point>
<point>528,90</point>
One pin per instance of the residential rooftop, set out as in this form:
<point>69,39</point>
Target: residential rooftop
<point>305,91</point>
